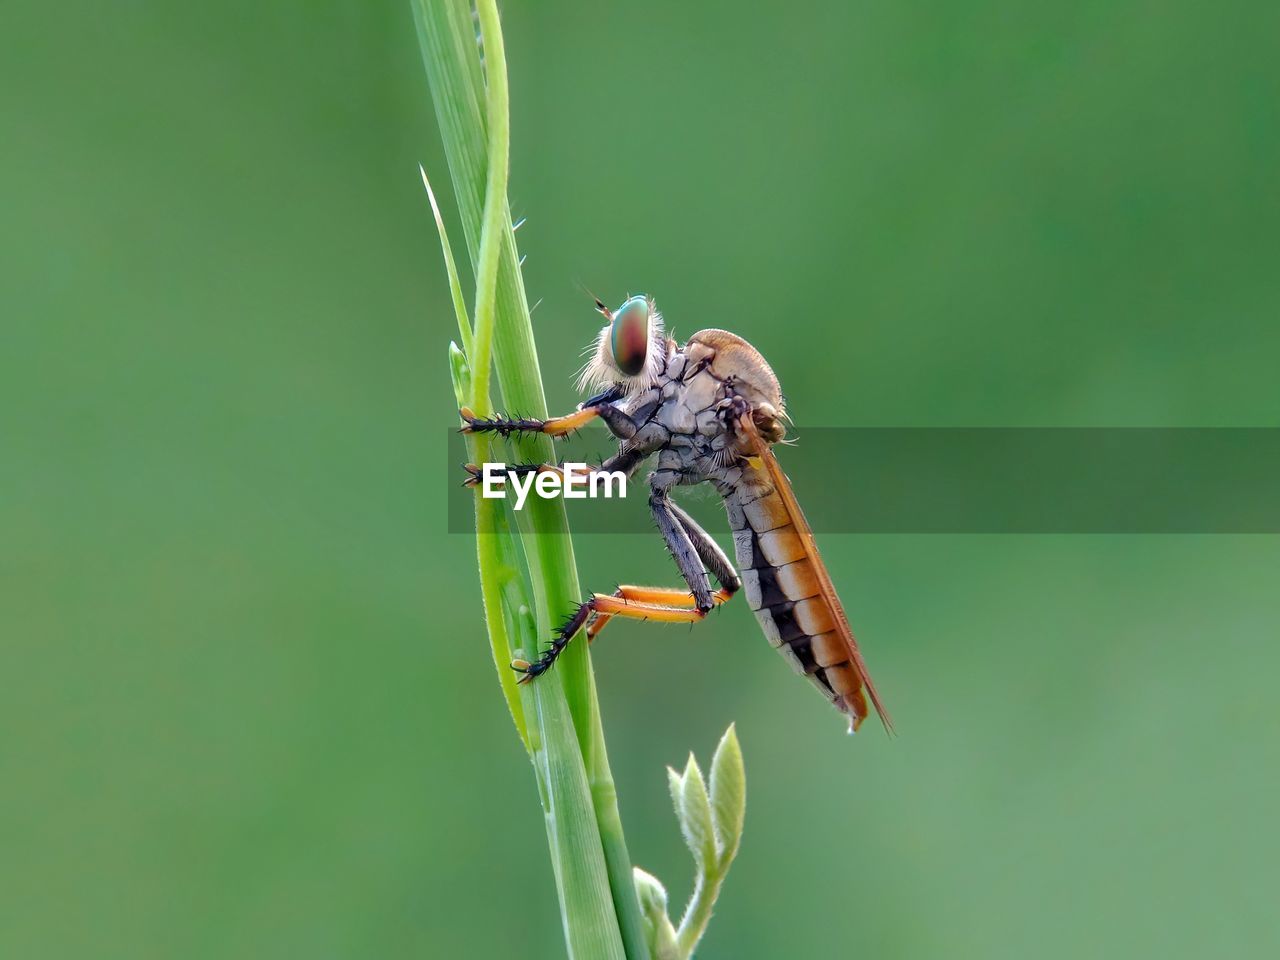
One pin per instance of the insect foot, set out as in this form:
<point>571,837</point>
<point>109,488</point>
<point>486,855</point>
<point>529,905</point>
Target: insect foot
<point>469,420</point>
<point>559,640</point>
<point>531,671</point>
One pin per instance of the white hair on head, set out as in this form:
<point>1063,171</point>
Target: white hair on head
<point>601,369</point>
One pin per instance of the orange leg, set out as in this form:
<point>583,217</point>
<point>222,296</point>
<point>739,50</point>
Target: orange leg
<point>553,427</point>
<point>663,604</point>
<point>638,599</point>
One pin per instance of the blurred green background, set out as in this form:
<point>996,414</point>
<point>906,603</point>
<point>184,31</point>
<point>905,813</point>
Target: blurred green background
<point>246,704</point>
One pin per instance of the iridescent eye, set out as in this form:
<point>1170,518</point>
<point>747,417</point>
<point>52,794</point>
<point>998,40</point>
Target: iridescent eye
<point>629,336</point>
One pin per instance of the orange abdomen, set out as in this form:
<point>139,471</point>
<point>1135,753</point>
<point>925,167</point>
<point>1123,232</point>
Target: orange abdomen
<point>789,591</point>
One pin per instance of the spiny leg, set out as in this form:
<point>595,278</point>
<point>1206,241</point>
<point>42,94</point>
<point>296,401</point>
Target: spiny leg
<point>505,426</point>
<point>475,475</point>
<point>625,460</point>
<point>664,596</point>
<point>682,548</point>
<point>619,424</point>
<point>709,553</point>
<point>689,544</point>
<point>662,604</point>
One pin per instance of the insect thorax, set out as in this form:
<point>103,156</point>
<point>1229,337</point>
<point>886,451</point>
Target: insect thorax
<point>688,417</point>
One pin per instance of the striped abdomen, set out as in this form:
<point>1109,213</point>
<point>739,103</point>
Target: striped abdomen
<point>789,590</point>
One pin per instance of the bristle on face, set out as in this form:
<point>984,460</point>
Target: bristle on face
<point>615,355</point>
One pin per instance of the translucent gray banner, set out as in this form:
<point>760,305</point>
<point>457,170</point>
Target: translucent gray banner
<point>972,480</point>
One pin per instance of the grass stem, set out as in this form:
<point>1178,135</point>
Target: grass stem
<point>560,714</point>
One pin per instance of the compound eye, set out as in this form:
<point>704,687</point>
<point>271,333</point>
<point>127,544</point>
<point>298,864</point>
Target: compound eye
<point>629,336</point>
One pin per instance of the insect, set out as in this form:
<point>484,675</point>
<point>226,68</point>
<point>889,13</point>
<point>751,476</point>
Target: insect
<point>709,409</point>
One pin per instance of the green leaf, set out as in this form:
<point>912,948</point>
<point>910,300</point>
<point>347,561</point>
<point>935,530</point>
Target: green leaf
<point>451,268</point>
<point>712,829</point>
<point>653,904</point>
<point>694,811</point>
<point>460,374</point>
<point>652,894</point>
<point>728,796</point>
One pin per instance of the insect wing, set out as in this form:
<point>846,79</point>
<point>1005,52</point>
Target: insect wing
<point>828,591</point>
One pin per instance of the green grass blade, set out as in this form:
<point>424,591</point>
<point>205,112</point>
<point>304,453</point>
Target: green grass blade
<point>593,869</point>
<point>498,147</point>
<point>501,587</point>
<point>455,286</point>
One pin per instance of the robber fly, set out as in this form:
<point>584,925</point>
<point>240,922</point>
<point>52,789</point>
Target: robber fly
<point>710,409</point>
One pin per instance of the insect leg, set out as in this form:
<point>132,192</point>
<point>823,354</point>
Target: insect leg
<point>709,551</point>
<point>625,461</point>
<point>619,424</point>
<point>663,604</point>
<point>664,596</point>
<point>681,546</point>
<point>475,475</point>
